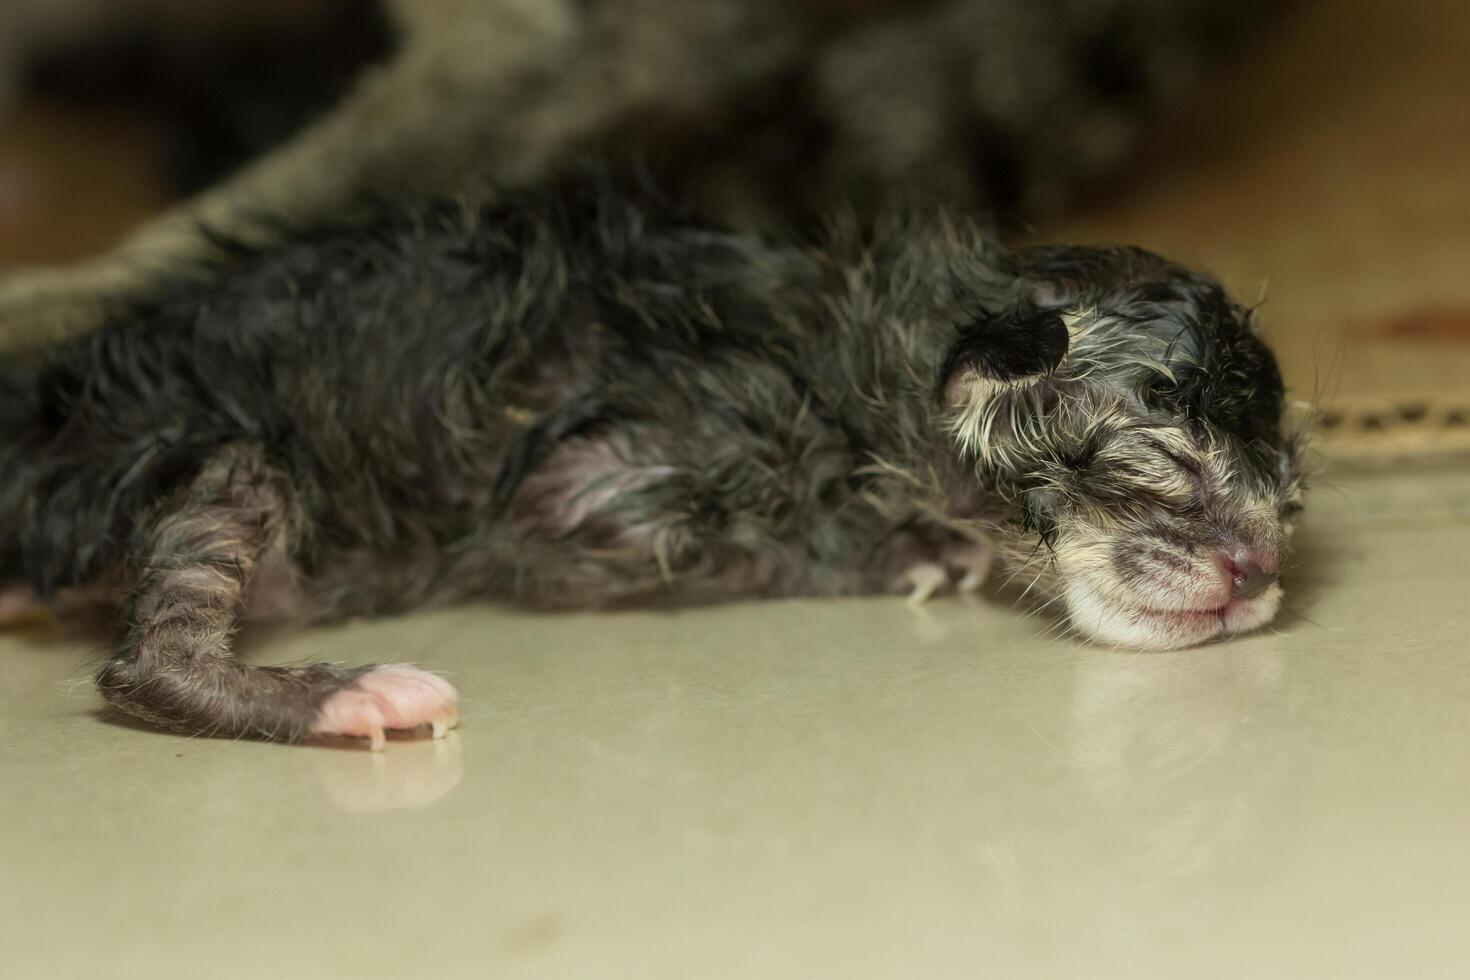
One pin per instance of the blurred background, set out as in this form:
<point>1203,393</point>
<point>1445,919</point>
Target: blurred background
<point>1311,153</point>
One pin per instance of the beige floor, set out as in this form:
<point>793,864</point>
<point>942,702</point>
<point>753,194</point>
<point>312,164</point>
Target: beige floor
<point>807,789</point>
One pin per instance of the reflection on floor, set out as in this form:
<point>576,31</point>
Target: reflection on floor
<point>802,789</point>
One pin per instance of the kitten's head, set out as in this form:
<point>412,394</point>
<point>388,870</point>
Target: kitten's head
<point>1131,415</point>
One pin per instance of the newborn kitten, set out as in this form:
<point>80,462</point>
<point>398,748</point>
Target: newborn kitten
<point>579,399</point>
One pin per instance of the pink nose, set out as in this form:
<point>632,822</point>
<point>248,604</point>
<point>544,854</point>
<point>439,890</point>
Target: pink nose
<point>1250,573</point>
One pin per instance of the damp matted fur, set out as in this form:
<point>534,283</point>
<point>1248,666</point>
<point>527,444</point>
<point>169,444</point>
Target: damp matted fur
<point>763,112</point>
<point>582,398</point>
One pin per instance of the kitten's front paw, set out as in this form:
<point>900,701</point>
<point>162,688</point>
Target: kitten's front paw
<point>964,568</point>
<point>925,578</point>
<point>389,697</point>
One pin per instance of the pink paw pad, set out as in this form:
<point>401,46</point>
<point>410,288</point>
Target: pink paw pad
<point>393,696</point>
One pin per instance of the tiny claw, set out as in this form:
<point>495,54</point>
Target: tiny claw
<point>975,564</point>
<point>389,697</point>
<point>974,580</point>
<point>441,727</point>
<point>926,579</point>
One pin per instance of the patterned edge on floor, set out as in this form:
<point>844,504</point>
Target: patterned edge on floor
<point>1390,431</point>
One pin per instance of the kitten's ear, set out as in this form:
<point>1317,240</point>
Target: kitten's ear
<point>1006,351</point>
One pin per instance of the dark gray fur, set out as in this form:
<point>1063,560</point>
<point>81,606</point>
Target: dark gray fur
<point>573,399</point>
<point>759,113</point>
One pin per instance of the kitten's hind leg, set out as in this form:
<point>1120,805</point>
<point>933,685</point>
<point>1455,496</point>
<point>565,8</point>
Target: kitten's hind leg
<point>173,665</point>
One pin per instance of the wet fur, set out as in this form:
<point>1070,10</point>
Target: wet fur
<point>765,112</point>
<point>581,398</point>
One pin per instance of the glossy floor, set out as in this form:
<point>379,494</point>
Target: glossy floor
<point>803,789</point>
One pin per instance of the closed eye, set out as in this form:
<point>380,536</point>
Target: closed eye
<point>1190,466</point>
<point>1143,472</point>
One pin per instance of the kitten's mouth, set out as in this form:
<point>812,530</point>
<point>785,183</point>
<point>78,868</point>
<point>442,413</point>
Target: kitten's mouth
<point>1144,627</point>
<point>1188,615</point>
<point>1153,628</point>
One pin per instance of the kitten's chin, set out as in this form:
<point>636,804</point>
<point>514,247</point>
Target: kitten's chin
<point>1113,623</point>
